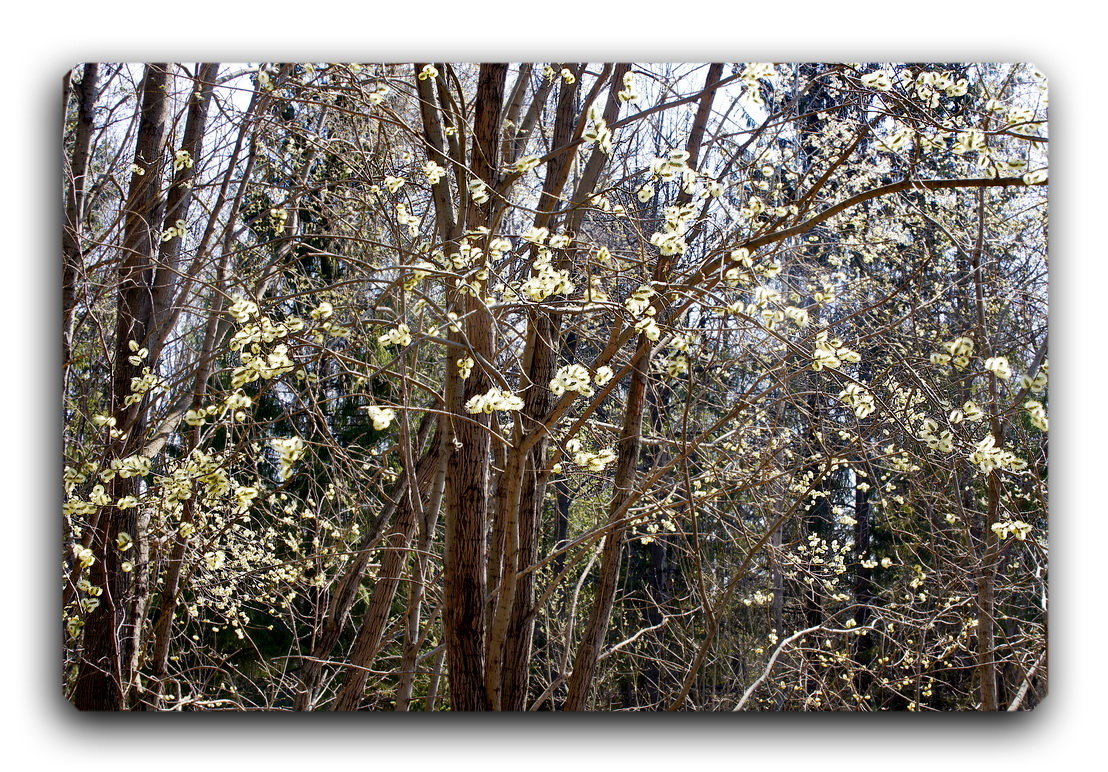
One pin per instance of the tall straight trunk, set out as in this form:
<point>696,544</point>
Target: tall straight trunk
<point>468,440</point>
<point>178,201</point>
<point>104,674</point>
<point>76,185</point>
<point>521,623</point>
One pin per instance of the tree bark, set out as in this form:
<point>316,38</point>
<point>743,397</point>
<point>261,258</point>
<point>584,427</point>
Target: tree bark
<point>77,184</point>
<point>516,526</point>
<point>630,442</point>
<point>104,673</point>
<point>467,439</point>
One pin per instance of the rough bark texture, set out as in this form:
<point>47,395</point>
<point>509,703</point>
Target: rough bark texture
<point>467,478</point>
<point>395,550</point>
<point>103,674</point>
<point>77,184</point>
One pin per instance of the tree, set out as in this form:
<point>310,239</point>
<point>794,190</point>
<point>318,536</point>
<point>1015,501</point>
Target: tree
<point>555,386</point>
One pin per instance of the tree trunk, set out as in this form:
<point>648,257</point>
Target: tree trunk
<point>468,441</point>
<point>588,652</point>
<point>109,635</point>
<point>77,184</point>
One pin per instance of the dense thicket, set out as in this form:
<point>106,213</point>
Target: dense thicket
<point>555,386</point>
